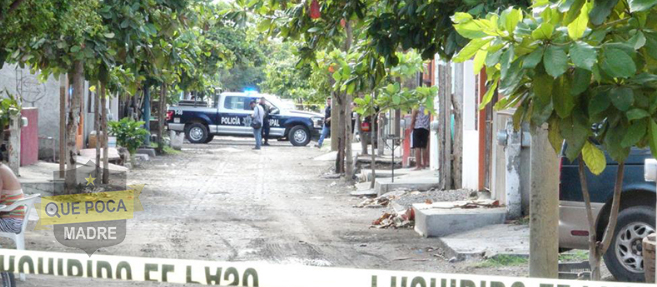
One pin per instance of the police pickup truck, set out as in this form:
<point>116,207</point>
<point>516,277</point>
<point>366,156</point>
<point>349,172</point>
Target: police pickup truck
<point>230,114</point>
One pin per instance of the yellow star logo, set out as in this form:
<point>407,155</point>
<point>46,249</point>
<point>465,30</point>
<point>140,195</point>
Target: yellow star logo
<point>90,180</point>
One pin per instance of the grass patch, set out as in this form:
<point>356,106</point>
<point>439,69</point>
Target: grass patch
<point>167,149</point>
<point>503,261</point>
<point>574,256</point>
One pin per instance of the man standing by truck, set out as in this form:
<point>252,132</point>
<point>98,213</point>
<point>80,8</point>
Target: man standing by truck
<point>256,123</point>
<point>265,121</point>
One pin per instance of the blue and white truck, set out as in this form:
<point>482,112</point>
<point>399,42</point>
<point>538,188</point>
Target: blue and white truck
<point>229,114</point>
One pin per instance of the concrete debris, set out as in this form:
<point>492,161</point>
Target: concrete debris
<point>381,201</point>
<point>395,220</point>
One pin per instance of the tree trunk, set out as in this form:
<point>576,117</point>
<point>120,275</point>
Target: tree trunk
<point>161,118</point>
<point>544,207</point>
<point>349,160</point>
<point>445,130</point>
<point>103,123</point>
<point>63,91</point>
<point>339,163</point>
<point>373,163</point>
<point>335,115</point>
<point>457,147</point>
<point>598,248</point>
<point>97,127</point>
<point>380,125</point>
<point>73,123</point>
<point>147,114</point>
<point>359,127</point>
<point>594,257</point>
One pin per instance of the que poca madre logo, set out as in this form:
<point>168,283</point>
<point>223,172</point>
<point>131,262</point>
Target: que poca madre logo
<point>90,220</point>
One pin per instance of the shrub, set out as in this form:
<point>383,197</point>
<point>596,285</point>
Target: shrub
<point>128,133</point>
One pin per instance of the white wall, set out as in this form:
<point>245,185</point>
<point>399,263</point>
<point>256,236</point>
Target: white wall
<point>470,179</point>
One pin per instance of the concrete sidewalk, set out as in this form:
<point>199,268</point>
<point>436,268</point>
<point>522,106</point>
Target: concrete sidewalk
<point>42,177</point>
<point>487,242</point>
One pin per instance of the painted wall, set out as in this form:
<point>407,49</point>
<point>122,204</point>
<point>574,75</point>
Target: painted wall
<point>44,96</point>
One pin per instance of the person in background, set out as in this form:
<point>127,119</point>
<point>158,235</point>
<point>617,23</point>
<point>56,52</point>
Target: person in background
<point>420,121</point>
<point>353,117</point>
<point>265,123</point>
<point>256,123</point>
<point>326,130</point>
<point>10,221</point>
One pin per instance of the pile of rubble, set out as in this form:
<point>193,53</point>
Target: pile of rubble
<point>399,203</point>
<point>381,201</point>
<point>394,219</point>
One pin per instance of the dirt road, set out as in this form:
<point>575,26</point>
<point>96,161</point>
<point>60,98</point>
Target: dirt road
<point>224,201</point>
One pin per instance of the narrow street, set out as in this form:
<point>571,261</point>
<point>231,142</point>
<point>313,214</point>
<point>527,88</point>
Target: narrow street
<point>223,201</point>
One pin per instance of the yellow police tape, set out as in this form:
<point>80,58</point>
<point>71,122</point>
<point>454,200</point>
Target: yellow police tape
<point>254,273</point>
<point>89,207</point>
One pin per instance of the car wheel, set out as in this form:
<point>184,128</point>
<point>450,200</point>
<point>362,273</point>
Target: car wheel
<point>299,136</point>
<point>624,258</point>
<point>7,279</point>
<point>209,139</point>
<point>197,133</point>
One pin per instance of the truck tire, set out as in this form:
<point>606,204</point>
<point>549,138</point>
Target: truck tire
<point>196,133</point>
<point>299,136</point>
<point>209,139</point>
<point>624,259</point>
<point>7,279</point>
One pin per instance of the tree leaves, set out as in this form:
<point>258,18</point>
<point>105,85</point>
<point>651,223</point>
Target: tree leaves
<point>622,98</point>
<point>652,137</point>
<point>641,5</point>
<point>635,114</point>
<point>470,50</point>
<point>583,55</point>
<point>561,98</point>
<point>599,102</point>
<point>635,133</point>
<point>581,81</point>
<point>601,10</point>
<point>594,158</point>
<point>555,61</point>
<point>618,64</point>
<point>533,58</point>
<point>543,32</point>
<point>489,95</point>
<point>576,28</point>
<point>510,18</point>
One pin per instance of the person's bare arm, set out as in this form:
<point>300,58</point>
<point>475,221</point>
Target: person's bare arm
<point>413,116</point>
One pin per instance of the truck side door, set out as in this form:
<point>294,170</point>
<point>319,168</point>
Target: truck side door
<point>234,116</point>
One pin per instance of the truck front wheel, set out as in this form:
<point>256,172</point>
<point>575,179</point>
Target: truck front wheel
<point>7,279</point>
<point>299,136</point>
<point>196,133</point>
<point>624,258</point>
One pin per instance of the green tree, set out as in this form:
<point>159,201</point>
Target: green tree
<point>574,65</point>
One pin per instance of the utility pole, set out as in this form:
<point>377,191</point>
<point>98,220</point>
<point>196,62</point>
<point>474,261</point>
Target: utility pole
<point>544,207</point>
